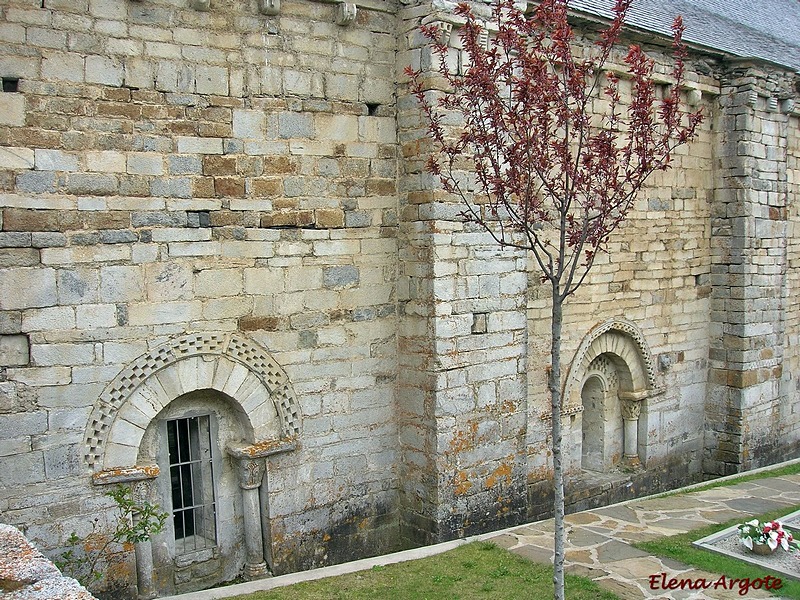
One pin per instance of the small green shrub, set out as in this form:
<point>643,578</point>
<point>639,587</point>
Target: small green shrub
<point>80,559</point>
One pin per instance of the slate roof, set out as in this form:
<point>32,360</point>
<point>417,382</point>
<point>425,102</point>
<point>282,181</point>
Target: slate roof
<point>766,29</point>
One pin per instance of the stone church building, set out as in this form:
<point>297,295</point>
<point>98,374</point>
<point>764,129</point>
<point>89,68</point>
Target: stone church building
<point>227,281</point>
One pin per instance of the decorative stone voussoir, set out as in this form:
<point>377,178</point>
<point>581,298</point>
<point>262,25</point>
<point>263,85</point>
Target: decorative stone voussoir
<point>246,373</point>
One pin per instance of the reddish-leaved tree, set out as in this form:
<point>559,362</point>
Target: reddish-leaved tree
<point>533,159</point>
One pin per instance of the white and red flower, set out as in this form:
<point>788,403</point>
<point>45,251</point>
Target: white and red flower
<point>770,533</point>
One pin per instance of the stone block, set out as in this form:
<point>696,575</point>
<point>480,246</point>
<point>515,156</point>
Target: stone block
<point>63,66</point>
<point>185,165</point>
<point>145,163</point>
<point>22,423</point>
<point>104,70</point>
<point>105,161</point>
<point>121,284</point>
<point>295,125</point>
<point>340,276</point>
<point>341,86</point>
<point>93,316</point>
<point>249,124</point>
<point>78,286</point>
<point>45,355</point>
<point>12,109</point>
<point>218,282</point>
<point>339,128</point>
<point>27,288</point>
<point>14,350</point>
<point>36,182</point>
<point>92,183</point>
<point>52,318</point>
<point>22,469</point>
<point>161,313</point>
<point>173,187</point>
<point>15,239</point>
<point>54,160</point>
<point>12,157</point>
<point>14,446</point>
<point>211,80</point>
<point>63,461</point>
<point>198,145</point>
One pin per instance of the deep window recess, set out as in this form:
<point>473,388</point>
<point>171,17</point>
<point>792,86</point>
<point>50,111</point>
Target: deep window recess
<point>10,84</point>
<point>192,479</point>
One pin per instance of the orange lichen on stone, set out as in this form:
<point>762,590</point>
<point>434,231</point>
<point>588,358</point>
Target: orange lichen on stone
<point>268,446</point>
<point>125,474</point>
<point>501,472</point>
<point>25,573</point>
<point>462,483</point>
<point>464,440</point>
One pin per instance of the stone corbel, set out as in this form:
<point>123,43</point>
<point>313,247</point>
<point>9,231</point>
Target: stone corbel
<point>269,7</point>
<point>772,104</point>
<point>346,13</point>
<point>693,97</point>
<point>790,107</point>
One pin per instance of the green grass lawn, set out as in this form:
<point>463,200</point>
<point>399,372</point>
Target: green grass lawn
<point>680,548</point>
<point>479,570</point>
<point>482,570</point>
<point>780,472</point>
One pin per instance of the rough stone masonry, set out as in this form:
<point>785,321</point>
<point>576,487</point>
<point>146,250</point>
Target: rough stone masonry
<point>227,282</point>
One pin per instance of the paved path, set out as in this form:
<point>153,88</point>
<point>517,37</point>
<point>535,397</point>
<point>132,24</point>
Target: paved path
<point>599,540</point>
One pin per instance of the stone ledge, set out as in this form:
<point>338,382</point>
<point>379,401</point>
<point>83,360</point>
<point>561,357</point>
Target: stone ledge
<point>26,574</point>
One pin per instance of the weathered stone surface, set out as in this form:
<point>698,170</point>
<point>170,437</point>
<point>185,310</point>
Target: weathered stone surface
<point>181,176</point>
<point>27,575</point>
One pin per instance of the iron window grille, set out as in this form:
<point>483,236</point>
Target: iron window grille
<point>192,481</point>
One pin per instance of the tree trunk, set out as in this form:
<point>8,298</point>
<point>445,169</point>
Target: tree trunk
<point>558,468</point>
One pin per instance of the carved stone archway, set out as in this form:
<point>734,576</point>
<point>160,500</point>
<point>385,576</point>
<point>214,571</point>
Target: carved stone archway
<point>229,364</point>
<point>618,350</point>
<point>226,362</point>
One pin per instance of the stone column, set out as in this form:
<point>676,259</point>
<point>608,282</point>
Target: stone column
<point>142,491</point>
<point>252,464</point>
<point>251,472</point>
<point>631,409</point>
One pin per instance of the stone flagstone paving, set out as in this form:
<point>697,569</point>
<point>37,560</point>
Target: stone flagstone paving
<point>599,540</point>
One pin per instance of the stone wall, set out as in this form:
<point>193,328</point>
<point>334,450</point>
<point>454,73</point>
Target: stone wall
<point>749,413</point>
<point>225,213</point>
<point>166,170</point>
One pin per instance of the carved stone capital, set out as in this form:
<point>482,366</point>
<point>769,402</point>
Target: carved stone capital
<point>631,409</point>
<point>251,472</point>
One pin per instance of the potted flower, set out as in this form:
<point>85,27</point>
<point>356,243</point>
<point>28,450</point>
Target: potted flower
<point>764,538</point>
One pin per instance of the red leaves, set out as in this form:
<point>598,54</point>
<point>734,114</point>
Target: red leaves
<point>550,163</point>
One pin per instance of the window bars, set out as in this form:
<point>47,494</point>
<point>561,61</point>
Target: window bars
<point>192,480</point>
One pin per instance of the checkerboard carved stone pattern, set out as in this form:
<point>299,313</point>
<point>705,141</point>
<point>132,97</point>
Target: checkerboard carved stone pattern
<point>620,338</point>
<point>224,361</point>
